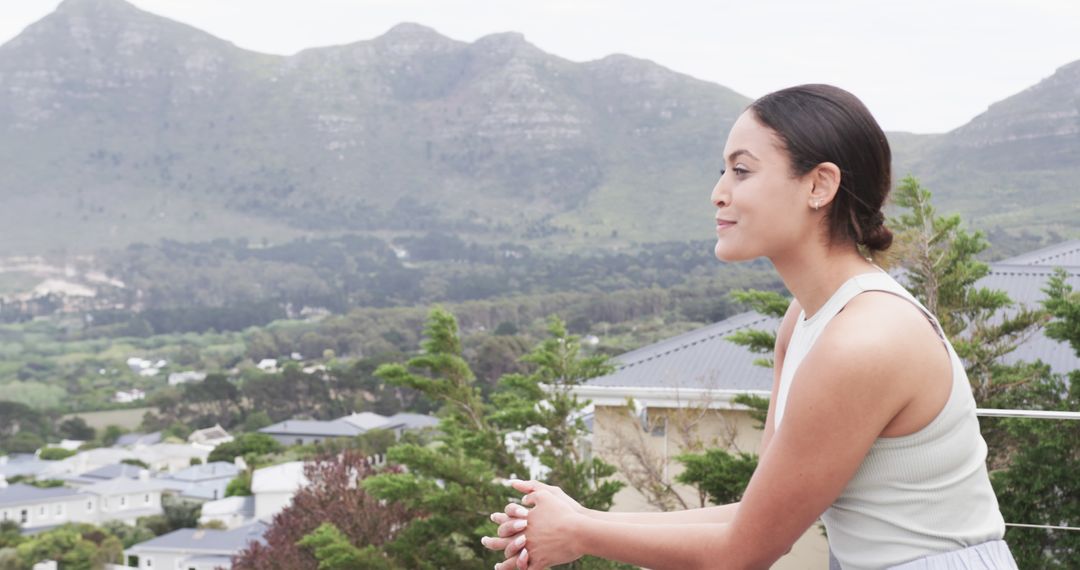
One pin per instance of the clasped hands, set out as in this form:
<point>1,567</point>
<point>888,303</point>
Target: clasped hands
<point>542,536</point>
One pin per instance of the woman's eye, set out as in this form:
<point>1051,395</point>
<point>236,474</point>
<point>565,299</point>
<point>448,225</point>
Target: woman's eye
<point>722,171</point>
<point>739,171</point>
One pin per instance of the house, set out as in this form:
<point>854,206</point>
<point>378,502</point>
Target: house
<point>267,365</point>
<point>230,511</point>
<point>106,473</point>
<point>305,432</point>
<point>275,486</point>
<point>126,499</point>
<point>22,465</point>
<point>210,437</point>
<point>644,403</point>
<point>128,396</point>
<point>116,499</point>
<point>205,482</point>
<point>189,377</point>
<point>84,461</point>
<point>170,457</point>
<point>39,509</point>
<point>133,439</point>
<point>194,549</point>
<point>302,432</point>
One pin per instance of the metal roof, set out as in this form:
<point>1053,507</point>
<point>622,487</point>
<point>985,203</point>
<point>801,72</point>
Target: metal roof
<point>213,470</point>
<point>208,541</point>
<point>704,359</point>
<point>701,359</point>
<point>334,428</point>
<point>1063,254</point>
<point>411,421</point>
<point>20,494</point>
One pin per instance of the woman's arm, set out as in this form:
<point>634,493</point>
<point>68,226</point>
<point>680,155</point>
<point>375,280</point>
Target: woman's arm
<point>845,393</point>
<point>714,515</point>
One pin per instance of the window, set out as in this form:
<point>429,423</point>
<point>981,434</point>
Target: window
<point>215,498</point>
<point>89,506</point>
<point>123,501</point>
<point>299,441</point>
<point>24,516</point>
<point>149,562</point>
<point>4,516</point>
<point>41,510</point>
<point>146,498</point>
<point>60,510</point>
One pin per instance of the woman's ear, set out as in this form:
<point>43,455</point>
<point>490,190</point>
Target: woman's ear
<point>825,180</point>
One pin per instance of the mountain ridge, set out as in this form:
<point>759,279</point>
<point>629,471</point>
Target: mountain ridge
<point>122,126</point>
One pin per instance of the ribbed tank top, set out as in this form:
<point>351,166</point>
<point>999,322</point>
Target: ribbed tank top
<point>915,495</point>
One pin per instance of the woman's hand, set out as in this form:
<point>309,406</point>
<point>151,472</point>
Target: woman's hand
<point>530,486</point>
<point>552,531</point>
<point>511,536</point>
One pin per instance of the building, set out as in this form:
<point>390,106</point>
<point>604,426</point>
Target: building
<point>120,499</point>
<point>194,549</point>
<point>210,437</point>
<point>304,432</point>
<point>275,486</point>
<point>230,511</point>
<point>694,378</point>
<point>205,482</point>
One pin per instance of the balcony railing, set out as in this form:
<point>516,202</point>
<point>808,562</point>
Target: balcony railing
<point>1035,415</point>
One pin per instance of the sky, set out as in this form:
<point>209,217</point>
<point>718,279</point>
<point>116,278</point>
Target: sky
<point>924,66</point>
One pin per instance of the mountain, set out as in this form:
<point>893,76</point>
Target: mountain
<point>118,126</point>
<point>121,126</point>
<point>1017,165</point>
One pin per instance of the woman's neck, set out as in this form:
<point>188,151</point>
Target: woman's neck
<point>815,271</point>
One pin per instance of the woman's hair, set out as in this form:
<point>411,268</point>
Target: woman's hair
<point>822,123</point>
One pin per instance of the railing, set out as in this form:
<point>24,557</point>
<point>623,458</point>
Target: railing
<point>1035,415</point>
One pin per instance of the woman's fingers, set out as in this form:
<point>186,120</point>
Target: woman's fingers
<point>499,518</point>
<point>495,543</point>
<point>512,527</point>
<point>516,510</point>
<point>523,559</point>
<point>514,547</point>
<point>510,564</point>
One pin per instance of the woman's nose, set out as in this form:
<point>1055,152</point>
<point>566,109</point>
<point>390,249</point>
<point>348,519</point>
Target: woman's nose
<point>719,196</point>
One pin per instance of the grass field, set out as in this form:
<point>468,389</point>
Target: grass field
<point>128,419</point>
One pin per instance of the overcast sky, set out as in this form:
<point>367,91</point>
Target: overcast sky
<point>920,65</point>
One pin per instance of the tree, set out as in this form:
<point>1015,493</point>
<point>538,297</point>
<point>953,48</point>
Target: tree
<point>74,546</point>
<point>721,475</point>
<point>239,486</point>
<point>54,453</point>
<point>1040,485</point>
<point>76,428</point>
<point>246,445</point>
<point>334,551</point>
<point>543,403</point>
<point>454,481</point>
<point>332,497</point>
<point>941,270</point>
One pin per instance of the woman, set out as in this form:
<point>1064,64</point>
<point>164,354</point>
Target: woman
<point>871,426</point>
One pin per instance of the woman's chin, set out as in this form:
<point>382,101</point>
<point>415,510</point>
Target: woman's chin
<point>726,253</point>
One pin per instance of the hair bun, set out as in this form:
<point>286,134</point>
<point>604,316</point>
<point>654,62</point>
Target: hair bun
<point>879,238</point>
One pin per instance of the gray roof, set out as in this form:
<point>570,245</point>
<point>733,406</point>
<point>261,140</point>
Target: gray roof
<point>205,541</point>
<point>704,359</point>
<point>334,428</point>
<point>208,471</point>
<point>1063,254</point>
<point>411,421</point>
<point>113,471</point>
<point>132,439</point>
<point>701,358</point>
<point>19,494</point>
<point>22,464</point>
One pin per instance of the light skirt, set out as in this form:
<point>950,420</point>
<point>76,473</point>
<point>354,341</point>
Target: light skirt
<point>993,555</point>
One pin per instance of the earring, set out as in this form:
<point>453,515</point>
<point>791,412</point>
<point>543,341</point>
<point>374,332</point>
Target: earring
<point>816,204</point>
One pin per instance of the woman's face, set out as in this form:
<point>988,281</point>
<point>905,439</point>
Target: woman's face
<point>761,211</point>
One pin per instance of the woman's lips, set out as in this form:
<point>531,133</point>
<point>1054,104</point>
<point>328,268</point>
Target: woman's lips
<point>722,225</point>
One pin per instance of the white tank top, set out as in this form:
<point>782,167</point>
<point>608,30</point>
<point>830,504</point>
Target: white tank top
<point>914,495</point>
